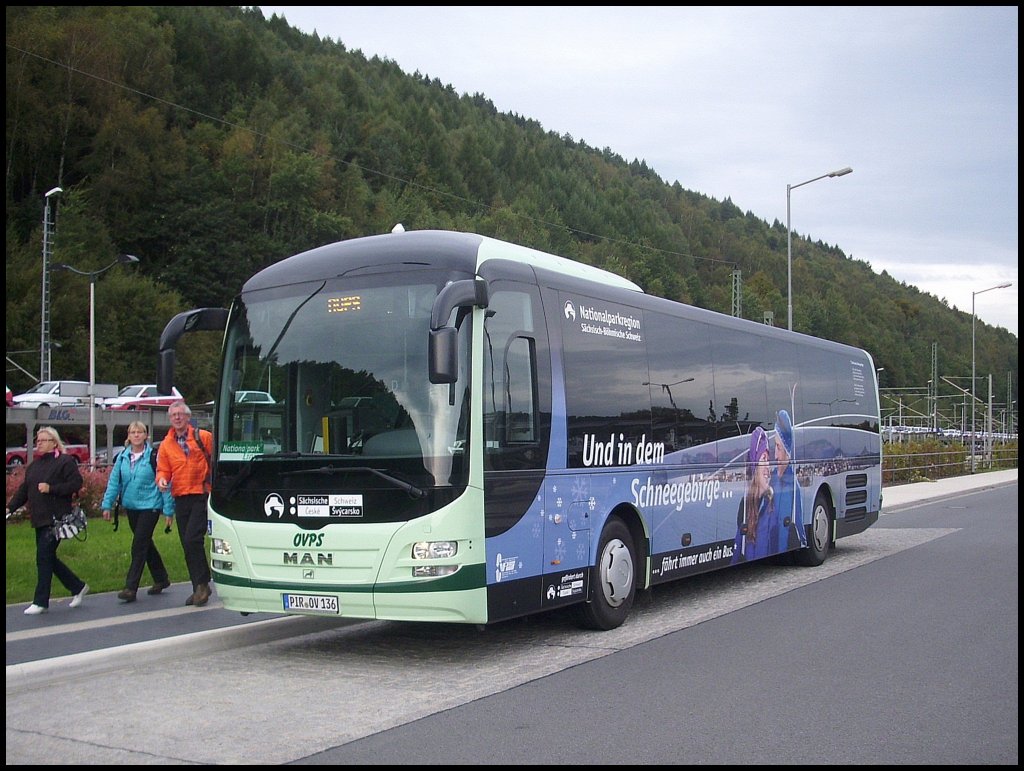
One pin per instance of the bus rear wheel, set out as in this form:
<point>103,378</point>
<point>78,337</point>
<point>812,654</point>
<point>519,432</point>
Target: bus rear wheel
<point>614,580</point>
<point>820,535</point>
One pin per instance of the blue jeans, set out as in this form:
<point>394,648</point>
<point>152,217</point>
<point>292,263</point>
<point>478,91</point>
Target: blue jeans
<point>48,565</point>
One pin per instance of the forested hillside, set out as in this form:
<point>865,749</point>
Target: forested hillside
<point>211,142</point>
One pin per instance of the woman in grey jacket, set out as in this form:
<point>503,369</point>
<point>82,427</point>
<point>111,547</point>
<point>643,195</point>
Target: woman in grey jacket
<point>133,481</point>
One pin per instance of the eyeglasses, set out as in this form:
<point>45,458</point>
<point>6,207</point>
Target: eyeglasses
<point>43,439</point>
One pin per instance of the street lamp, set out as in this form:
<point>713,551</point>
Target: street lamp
<point>122,259</point>
<point>973,395</point>
<point>789,237</point>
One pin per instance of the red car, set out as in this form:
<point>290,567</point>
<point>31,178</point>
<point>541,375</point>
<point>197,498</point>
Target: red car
<point>10,397</point>
<point>140,397</point>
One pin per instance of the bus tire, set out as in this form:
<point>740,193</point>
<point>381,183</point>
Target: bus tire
<point>613,580</point>
<point>819,534</point>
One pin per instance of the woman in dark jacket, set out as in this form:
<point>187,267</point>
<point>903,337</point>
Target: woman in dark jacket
<point>51,481</point>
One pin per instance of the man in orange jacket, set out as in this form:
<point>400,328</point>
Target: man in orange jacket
<point>184,468</point>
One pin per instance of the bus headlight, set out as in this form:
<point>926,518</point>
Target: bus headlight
<point>220,547</point>
<point>433,550</point>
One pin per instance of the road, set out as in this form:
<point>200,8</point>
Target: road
<point>902,648</point>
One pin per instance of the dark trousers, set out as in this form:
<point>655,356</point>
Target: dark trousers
<point>48,565</point>
<point>144,552</point>
<point>190,512</point>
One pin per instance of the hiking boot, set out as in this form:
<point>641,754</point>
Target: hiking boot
<point>202,595</point>
<point>158,587</point>
<point>126,595</point>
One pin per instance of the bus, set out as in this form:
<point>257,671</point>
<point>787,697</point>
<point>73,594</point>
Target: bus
<point>468,430</point>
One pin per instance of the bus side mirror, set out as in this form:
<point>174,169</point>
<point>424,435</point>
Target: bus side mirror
<point>442,347</point>
<point>444,355</point>
<point>198,320</point>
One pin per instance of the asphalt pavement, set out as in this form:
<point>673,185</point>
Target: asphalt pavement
<point>95,635</point>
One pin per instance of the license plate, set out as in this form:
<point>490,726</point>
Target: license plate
<point>311,603</point>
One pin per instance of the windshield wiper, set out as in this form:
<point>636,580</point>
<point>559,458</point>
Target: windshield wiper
<point>246,471</point>
<point>412,490</point>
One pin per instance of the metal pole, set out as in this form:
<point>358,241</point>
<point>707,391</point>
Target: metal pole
<point>789,264</point>
<point>789,239</point>
<point>92,370</point>
<point>988,430</point>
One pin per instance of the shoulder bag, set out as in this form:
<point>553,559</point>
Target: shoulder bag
<point>71,525</point>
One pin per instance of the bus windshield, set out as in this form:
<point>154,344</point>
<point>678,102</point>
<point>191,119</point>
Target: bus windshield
<point>341,366</point>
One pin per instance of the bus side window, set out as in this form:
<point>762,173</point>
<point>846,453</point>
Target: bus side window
<point>520,392</point>
<point>510,390</point>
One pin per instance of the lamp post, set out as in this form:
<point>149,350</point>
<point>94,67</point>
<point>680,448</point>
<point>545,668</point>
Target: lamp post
<point>973,375</point>
<point>44,341</point>
<point>789,237</point>
<point>122,259</point>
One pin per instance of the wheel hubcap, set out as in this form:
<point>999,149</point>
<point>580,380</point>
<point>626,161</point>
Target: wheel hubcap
<point>616,573</point>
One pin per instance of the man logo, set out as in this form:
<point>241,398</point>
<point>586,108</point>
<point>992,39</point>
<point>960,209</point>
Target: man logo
<point>569,310</point>
<point>273,506</point>
<point>307,574</point>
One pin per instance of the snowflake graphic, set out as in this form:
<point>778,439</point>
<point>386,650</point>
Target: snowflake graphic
<point>592,503</point>
<point>581,551</point>
<point>559,550</point>
<point>580,488</point>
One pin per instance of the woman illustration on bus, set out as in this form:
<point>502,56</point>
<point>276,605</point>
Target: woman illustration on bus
<point>787,498</point>
<point>757,527</point>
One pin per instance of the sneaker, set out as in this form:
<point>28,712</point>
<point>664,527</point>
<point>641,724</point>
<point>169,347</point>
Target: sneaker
<point>126,595</point>
<point>158,587</point>
<point>35,610</point>
<point>77,599</point>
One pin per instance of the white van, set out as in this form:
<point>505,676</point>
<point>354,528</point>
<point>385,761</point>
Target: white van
<point>54,393</point>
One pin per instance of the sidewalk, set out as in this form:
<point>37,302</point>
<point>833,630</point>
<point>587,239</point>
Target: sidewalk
<point>916,492</point>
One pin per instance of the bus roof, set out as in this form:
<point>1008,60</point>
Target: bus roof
<point>444,249</point>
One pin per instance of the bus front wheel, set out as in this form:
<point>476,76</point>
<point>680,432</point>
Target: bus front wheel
<point>614,580</point>
<point>819,536</point>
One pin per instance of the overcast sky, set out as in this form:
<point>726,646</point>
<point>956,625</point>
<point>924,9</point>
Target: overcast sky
<point>739,102</point>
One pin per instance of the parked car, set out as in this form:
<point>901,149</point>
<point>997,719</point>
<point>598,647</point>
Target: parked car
<point>10,397</point>
<point>247,397</point>
<point>253,397</point>
<point>54,393</point>
<point>140,397</point>
<point>18,456</point>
